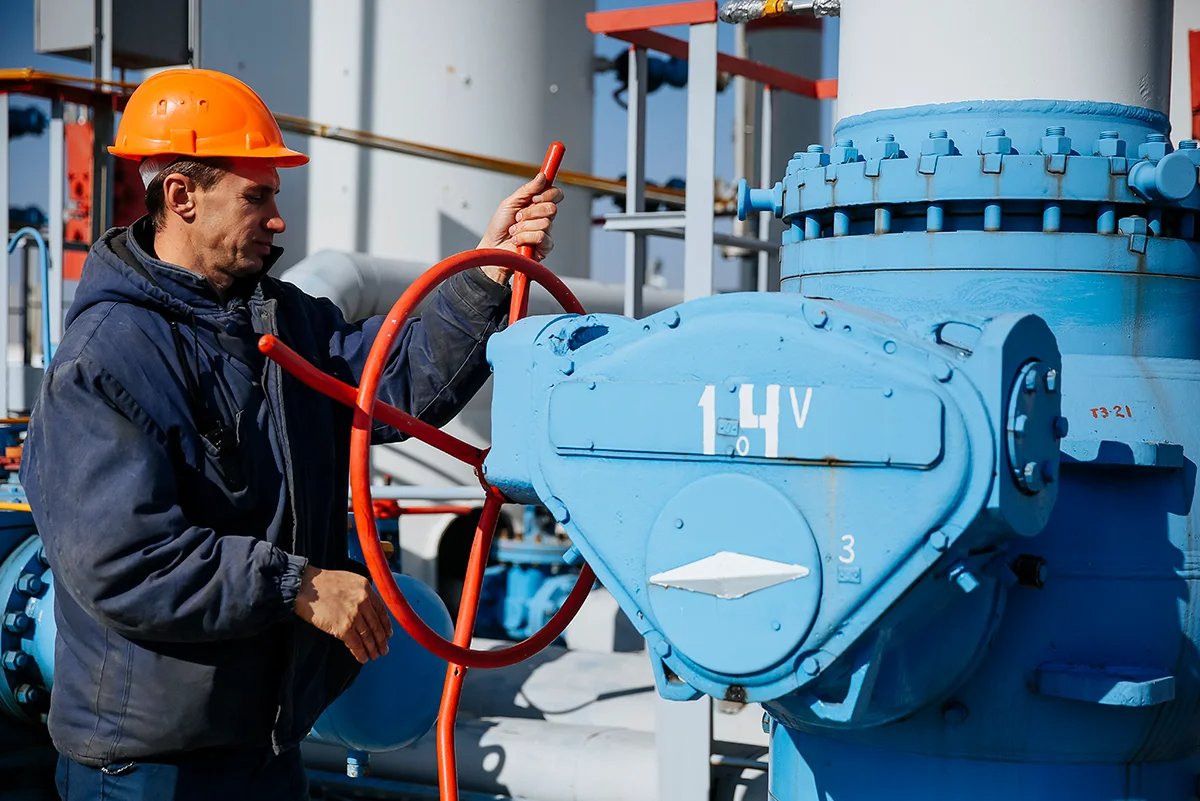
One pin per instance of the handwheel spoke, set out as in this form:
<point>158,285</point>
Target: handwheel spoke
<point>345,394</point>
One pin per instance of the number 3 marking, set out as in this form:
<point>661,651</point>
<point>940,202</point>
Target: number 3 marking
<point>848,546</point>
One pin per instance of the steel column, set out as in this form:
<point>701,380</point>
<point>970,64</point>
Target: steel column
<point>768,262</point>
<point>635,181</point>
<point>4,277</point>
<point>194,33</point>
<point>701,161</point>
<point>683,740</point>
<point>102,123</point>
<point>54,240</point>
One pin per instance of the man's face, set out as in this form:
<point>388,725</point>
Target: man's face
<point>237,219</point>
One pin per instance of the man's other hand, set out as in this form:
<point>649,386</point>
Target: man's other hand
<point>523,218</point>
<point>346,606</point>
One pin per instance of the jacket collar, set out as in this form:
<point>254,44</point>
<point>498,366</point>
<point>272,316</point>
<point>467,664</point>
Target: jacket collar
<point>183,284</point>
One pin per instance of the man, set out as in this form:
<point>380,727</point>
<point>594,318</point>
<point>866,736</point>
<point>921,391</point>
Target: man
<point>192,496</point>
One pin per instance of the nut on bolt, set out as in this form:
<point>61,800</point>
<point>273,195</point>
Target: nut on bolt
<point>1129,226</point>
<point>884,147</point>
<point>1031,478</point>
<point>844,152</point>
<point>995,141</point>
<point>939,143</point>
<point>1030,570</point>
<point>813,158</point>
<point>1155,147</point>
<point>1056,142</point>
<point>16,622</point>
<point>1110,144</point>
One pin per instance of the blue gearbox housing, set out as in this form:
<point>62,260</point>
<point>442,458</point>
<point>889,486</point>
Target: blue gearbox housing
<point>760,479</point>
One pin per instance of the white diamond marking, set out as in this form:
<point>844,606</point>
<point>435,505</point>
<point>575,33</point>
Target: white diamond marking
<point>729,575</point>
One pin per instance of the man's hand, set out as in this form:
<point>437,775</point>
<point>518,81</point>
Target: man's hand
<point>345,605</point>
<point>523,218</point>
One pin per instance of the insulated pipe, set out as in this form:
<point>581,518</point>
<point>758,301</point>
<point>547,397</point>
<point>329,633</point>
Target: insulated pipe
<point>1117,51</point>
<point>362,285</point>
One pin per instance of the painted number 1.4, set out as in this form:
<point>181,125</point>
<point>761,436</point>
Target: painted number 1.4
<point>750,419</point>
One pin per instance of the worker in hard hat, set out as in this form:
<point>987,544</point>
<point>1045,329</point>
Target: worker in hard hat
<point>191,496</point>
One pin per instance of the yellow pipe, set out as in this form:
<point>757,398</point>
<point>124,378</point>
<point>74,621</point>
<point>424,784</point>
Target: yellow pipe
<point>6,506</point>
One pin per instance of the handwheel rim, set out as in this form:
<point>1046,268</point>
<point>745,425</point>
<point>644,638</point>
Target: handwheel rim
<point>360,468</point>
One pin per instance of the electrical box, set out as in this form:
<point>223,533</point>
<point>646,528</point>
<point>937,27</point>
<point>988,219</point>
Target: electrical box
<point>146,33</point>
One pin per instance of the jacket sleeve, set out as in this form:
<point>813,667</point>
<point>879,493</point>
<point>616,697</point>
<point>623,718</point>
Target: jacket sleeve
<point>104,496</point>
<point>439,360</point>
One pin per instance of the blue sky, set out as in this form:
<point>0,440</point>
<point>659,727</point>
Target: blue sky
<point>666,115</point>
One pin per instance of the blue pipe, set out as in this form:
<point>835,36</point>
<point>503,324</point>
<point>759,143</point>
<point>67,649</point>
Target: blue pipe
<point>44,253</point>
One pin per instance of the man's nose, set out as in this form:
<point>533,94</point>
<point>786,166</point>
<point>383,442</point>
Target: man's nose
<point>276,225</point>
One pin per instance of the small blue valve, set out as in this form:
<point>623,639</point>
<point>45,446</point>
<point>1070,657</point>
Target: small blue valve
<point>1172,177</point>
<point>750,200</point>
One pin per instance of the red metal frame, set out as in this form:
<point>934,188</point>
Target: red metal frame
<point>633,26</point>
<point>622,20</point>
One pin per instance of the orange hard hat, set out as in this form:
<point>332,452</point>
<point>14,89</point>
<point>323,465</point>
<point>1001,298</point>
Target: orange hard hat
<point>200,113</point>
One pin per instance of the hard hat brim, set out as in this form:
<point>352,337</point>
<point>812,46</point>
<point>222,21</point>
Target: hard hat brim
<point>282,156</point>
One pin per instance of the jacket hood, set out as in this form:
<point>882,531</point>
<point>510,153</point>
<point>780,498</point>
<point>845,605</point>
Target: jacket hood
<point>121,267</point>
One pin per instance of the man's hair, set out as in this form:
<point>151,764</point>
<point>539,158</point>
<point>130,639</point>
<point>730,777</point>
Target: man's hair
<point>205,173</point>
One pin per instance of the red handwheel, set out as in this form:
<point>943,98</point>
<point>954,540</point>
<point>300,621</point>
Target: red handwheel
<point>366,408</point>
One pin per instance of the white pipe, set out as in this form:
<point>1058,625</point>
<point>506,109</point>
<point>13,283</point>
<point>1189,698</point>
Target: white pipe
<point>898,53</point>
<point>362,285</point>
<point>527,759</point>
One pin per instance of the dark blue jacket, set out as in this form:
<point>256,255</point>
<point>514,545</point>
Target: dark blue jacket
<point>181,483</point>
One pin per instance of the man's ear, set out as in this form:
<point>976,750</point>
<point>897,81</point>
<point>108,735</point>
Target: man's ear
<point>179,196</point>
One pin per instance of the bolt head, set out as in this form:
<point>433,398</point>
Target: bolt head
<point>1031,477</point>
<point>1056,145</point>
<point>28,694</point>
<point>1020,424</point>
<point>1111,147</point>
<point>1061,427</point>
<point>16,622</point>
<point>1031,380</point>
<point>1129,226</point>
<point>662,648</point>
<point>17,660</point>
<point>1030,570</point>
<point>939,540</point>
<point>1052,380</point>
<point>937,147</point>
<point>1154,150</point>
<point>31,584</point>
<point>811,666</point>
<point>844,154</point>
<point>812,160</point>
<point>885,150</point>
<point>996,144</point>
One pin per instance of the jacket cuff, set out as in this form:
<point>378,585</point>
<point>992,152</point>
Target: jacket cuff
<point>290,578</point>
<point>483,296</point>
